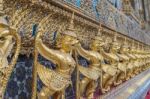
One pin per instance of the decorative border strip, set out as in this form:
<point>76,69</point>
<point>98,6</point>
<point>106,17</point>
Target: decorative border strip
<point>128,28</point>
<point>121,88</point>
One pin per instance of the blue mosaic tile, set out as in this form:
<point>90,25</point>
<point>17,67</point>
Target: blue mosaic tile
<point>22,95</point>
<point>20,73</point>
<point>20,82</point>
<point>19,85</point>
<point>12,89</point>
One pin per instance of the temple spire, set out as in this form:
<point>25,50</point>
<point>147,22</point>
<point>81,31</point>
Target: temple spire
<point>100,30</point>
<point>70,30</point>
<point>71,25</point>
<point>115,37</point>
<point>125,41</point>
<point>138,45</point>
<point>133,43</point>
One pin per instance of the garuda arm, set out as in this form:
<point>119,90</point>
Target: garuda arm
<point>81,51</point>
<point>46,52</point>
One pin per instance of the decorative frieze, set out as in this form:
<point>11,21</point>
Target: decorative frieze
<point>26,14</point>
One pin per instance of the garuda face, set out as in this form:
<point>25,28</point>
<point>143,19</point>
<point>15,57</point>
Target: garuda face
<point>6,45</point>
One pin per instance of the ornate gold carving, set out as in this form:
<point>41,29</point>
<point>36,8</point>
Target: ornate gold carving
<point>93,72</point>
<point>112,60</point>
<point>108,60</point>
<point>133,61</point>
<point>57,80</point>
<point>8,37</point>
<point>124,61</point>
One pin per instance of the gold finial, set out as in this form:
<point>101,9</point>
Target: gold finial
<point>132,43</point>
<point>115,37</point>
<point>71,25</point>
<point>114,41</point>
<point>100,29</point>
<point>70,30</point>
<point>143,46</point>
<point>99,34</point>
<point>138,45</point>
<point>125,40</point>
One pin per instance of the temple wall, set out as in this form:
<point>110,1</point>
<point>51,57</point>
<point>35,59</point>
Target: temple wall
<point>88,14</point>
<point>24,14</point>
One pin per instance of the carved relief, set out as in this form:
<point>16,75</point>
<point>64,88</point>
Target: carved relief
<point>53,21</point>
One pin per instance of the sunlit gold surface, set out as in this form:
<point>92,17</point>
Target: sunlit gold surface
<point>124,61</point>
<point>110,64</point>
<point>91,73</point>
<point>8,37</point>
<point>55,81</point>
<point>112,61</point>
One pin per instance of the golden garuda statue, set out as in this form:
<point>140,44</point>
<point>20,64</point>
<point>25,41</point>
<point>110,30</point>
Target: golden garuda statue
<point>55,81</point>
<point>9,38</point>
<point>91,73</point>
<point>124,60</point>
<point>110,69</point>
<point>146,59</point>
<point>132,61</point>
<point>140,60</point>
<point>137,61</point>
<point>143,59</point>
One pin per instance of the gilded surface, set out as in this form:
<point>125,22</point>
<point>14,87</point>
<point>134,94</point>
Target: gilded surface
<point>8,37</point>
<point>55,81</point>
<point>45,30</point>
<point>112,60</point>
<point>93,72</point>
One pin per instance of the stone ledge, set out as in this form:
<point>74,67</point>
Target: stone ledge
<point>135,88</point>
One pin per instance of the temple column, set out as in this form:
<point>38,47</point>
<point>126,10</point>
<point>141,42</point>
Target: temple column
<point>147,10</point>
